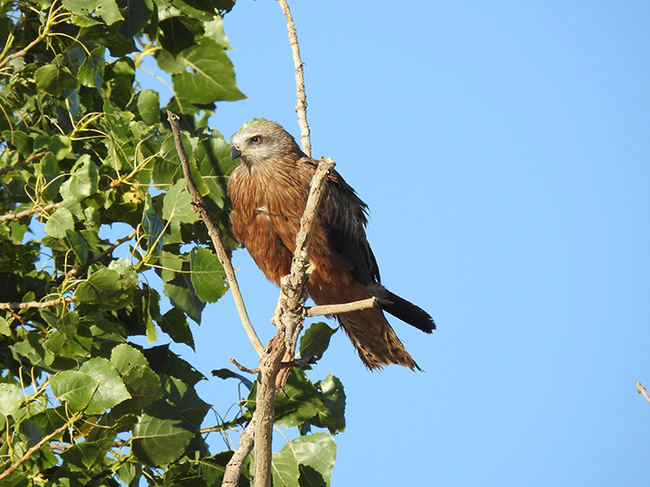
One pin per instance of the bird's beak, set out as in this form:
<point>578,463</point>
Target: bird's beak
<point>234,153</point>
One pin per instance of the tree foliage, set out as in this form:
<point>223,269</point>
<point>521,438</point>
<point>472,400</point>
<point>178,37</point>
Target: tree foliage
<point>85,147</point>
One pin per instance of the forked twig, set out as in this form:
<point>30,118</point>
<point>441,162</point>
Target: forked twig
<point>198,202</point>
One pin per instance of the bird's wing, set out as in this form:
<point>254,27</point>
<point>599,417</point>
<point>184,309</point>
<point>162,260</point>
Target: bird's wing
<point>344,217</point>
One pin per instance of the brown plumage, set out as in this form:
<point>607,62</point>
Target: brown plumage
<point>269,193</point>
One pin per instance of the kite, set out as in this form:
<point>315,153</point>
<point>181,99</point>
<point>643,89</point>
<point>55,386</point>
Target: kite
<point>269,191</point>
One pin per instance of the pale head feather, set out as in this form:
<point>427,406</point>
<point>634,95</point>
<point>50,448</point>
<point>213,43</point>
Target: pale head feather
<point>262,142</point>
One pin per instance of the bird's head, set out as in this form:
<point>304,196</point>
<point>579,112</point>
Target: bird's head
<point>262,141</point>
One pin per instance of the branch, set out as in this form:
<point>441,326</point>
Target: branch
<point>198,202</point>
<point>289,318</point>
<point>20,164</point>
<point>335,309</point>
<point>22,52</point>
<point>31,211</point>
<point>73,272</point>
<point>234,466</point>
<point>301,97</point>
<point>641,390</point>
<point>33,450</point>
<point>36,304</point>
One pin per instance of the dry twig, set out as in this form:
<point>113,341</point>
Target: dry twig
<point>641,390</point>
<point>199,204</point>
<point>301,97</point>
<point>335,309</point>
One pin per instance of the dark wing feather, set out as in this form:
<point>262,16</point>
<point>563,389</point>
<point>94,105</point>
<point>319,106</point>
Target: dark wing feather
<point>344,217</point>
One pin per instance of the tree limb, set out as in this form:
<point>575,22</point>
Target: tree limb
<point>244,447</point>
<point>31,211</point>
<point>37,304</point>
<point>301,97</point>
<point>20,164</point>
<point>198,203</point>
<point>73,272</point>
<point>33,450</point>
<point>289,318</point>
<point>335,309</point>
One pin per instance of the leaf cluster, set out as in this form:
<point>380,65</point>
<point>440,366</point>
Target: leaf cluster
<point>85,149</point>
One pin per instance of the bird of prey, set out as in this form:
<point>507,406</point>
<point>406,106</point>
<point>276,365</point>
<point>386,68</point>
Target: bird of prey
<point>269,193</point>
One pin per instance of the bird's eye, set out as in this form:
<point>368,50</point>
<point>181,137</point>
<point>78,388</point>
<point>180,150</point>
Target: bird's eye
<point>255,139</point>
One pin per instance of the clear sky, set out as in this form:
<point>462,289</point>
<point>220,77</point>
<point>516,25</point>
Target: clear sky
<point>503,148</point>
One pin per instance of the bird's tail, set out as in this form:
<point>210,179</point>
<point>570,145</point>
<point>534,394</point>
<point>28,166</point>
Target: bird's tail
<point>375,340</point>
<point>405,310</point>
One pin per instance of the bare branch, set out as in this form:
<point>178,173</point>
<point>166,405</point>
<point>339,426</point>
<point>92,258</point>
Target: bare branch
<point>301,97</point>
<point>335,309</point>
<point>641,390</point>
<point>289,318</point>
<point>244,369</point>
<point>36,304</point>
<point>234,466</point>
<point>31,211</point>
<point>33,450</point>
<point>198,203</point>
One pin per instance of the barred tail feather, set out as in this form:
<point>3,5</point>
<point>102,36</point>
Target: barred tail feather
<point>375,340</point>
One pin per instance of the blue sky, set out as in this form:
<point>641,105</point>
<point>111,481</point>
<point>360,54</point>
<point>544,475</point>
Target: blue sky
<point>503,150</point>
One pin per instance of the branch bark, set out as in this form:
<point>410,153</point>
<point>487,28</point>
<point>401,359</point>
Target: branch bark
<point>289,318</point>
<point>335,309</point>
<point>36,304</point>
<point>31,211</point>
<point>20,164</point>
<point>641,390</point>
<point>33,450</point>
<point>199,204</point>
<point>236,462</point>
<point>301,97</point>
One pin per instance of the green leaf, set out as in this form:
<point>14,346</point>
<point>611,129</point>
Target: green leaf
<point>212,78</point>
<point>316,340</point>
<point>110,390</point>
<point>136,17</point>
<point>148,105</point>
<point>106,9</point>
<point>54,79</point>
<point>59,145</point>
<point>161,434</point>
<point>10,399</point>
<point>177,204</point>
<point>305,461</point>
<point>142,383</point>
<point>208,276</point>
<point>20,140</point>
<point>78,244</point>
<point>214,30</point>
<point>301,402</point>
<point>59,222</point>
<point>175,324</point>
<point>184,298</point>
<point>109,288</point>
<point>74,387</point>
<point>153,228</point>
<point>82,182</point>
